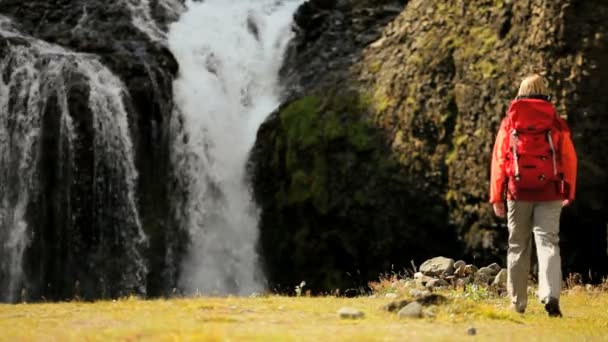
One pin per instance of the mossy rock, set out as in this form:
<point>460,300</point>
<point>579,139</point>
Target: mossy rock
<point>337,207</point>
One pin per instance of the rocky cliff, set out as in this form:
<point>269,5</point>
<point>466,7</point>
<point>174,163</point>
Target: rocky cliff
<point>433,81</point>
<point>81,243</point>
<point>378,157</point>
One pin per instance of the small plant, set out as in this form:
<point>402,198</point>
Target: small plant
<point>574,279</point>
<point>299,288</point>
<point>475,293</point>
<point>603,287</point>
<point>385,284</point>
<point>393,282</point>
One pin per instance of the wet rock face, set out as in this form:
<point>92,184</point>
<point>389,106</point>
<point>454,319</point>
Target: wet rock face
<point>439,77</point>
<point>131,45</point>
<point>329,37</point>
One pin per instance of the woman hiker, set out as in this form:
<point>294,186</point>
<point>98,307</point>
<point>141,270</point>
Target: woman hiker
<point>534,170</point>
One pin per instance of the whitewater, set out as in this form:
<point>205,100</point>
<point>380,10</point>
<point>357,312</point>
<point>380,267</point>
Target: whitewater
<point>229,52</point>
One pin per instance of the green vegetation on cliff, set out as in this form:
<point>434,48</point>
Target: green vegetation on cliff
<point>436,78</point>
<point>337,208</point>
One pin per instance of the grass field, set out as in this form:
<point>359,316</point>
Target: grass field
<point>275,318</point>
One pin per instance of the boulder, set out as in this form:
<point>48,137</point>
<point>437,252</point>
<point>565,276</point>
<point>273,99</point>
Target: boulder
<point>412,310</point>
<point>419,293</point>
<point>396,305</point>
<point>437,266</point>
<point>459,263</point>
<point>462,282</point>
<point>487,271</point>
<point>495,268</point>
<point>501,278</point>
<point>423,280</point>
<point>481,279</point>
<point>435,283</point>
<point>460,271</point>
<point>470,270</point>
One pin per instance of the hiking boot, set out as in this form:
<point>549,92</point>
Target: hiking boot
<point>552,307</point>
<point>516,308</point>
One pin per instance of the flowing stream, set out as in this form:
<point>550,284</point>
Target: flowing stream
<point>229,52</point>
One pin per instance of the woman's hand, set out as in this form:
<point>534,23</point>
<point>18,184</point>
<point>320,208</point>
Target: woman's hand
<point>499,209</point>
<point>566,203</point>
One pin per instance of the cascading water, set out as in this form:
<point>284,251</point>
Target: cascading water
<point>142,17</point>
<point>94,218</point>
<point>229,52</point>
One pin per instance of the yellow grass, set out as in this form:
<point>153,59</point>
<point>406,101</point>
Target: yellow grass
<point>299,319</point>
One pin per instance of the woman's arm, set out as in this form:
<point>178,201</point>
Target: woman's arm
<point>498,175</point>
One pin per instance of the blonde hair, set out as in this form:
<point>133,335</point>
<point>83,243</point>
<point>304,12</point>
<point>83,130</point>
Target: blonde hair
<point>532,85</point>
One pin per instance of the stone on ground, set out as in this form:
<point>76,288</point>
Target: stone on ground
<point>436,283</point>
<point>418,293</point>
<point>350,313</point>
<point>396,305</point>
<point>459,263</point>
<point>501,279</point>
<point>437,266</point>
<point>481,279</point>
<point>487,271</point>
<point>412,310</point>
<point>495,268</point>
<point>461,270</point>
<point>470,270</point>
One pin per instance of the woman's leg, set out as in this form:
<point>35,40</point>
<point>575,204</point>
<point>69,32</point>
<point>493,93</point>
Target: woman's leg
<point>519,222</point>
<point>546,235</point>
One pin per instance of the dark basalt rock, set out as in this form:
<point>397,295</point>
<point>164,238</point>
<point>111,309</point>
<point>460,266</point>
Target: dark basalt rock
<point>337,210</point>
<point>330,36</point>
<point>460,76</point>
<point>147,68</point>
<point>438,78</point>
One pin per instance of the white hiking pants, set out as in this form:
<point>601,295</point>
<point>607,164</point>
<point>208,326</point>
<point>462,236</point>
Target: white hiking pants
<point>542,220</point>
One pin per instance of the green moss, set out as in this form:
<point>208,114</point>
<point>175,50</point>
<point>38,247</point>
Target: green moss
<point>461,139</point>
<point>312,127</point>
<point>318,189</point>
<point>485,37</point>
<point>451,195</point>
<point>332,127</point>
<point>451,156</point>
<point>457,141</point>
<point>382,101</point>
<point>360,197</point>
<point>299,189</point>
<point>299,121</point>
<point>414,59</point>
<point>375,67</point>
<point>487,69</point>
<point>360,136</point>
<point>365,102</point>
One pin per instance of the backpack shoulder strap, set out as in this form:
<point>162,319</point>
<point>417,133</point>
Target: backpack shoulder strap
<point>561,124</point>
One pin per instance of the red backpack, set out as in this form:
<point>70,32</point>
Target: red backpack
<point>532,148</point>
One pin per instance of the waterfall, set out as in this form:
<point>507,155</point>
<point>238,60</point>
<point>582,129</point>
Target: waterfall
<point>94,176</point>
<point>141,16</point>
<point>229,52</point>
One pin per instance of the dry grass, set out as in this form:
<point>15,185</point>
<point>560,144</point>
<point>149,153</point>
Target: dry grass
<point>300,318</point>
